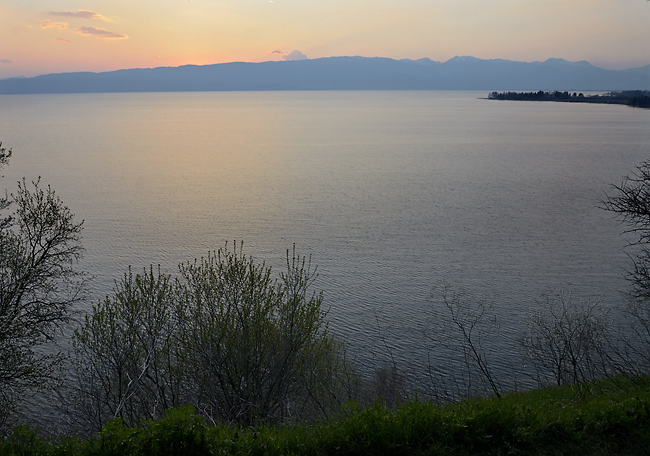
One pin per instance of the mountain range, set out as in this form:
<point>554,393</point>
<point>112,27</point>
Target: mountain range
<point>344,73</point>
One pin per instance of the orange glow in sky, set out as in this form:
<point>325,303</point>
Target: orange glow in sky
<point>44,36</point>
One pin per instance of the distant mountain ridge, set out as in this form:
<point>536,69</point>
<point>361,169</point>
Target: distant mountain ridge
<point>344,73</point>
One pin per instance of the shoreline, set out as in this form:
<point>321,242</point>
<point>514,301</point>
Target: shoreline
<point>632,98</point>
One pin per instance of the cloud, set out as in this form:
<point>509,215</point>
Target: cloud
<point>99,33</point>
<point>84,14</point>
<point>6,61</point>
<point>49,24</point>
<point>62,40</point>
<point>294,55</point>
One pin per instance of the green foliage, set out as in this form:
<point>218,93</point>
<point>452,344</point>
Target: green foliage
<point>125,356</point>
<point>614,418</point>
<point>235,345</point>
<point>180,432</point>
<point>224,336</point>
<point>25,441</point>
<point>259,347</point>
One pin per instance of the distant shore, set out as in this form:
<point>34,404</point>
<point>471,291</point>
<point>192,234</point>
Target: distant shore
<point>634,98</point>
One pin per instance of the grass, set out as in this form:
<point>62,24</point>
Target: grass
<point>609,417</point>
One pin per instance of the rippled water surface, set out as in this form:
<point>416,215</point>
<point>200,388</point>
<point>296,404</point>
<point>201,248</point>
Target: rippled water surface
<point>392,193</point>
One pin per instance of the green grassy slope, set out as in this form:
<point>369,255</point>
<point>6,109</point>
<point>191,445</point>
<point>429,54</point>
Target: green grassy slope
<point>610,417</point>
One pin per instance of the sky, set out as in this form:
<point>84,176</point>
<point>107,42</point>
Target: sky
<point>55,36</point>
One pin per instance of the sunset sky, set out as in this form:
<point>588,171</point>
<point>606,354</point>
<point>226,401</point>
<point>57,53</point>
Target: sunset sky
<point>52,36</point>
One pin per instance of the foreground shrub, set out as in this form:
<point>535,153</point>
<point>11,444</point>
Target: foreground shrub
<point>241,346</point>
<point>180,432</point>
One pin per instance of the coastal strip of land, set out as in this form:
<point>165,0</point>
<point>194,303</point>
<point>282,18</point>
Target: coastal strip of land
<point>634,98</point>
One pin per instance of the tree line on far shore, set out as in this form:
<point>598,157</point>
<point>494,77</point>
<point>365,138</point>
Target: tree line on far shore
<point>634,98</point>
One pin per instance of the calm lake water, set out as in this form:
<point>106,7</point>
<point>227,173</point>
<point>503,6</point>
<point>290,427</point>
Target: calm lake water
<point>392,193</point>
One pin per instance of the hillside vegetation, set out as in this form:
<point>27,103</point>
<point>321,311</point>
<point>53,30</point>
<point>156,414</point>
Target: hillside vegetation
<point>601,418</point>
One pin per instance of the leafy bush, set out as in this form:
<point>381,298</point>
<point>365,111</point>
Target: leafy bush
<point>126,356</point>
<point>224,336</point>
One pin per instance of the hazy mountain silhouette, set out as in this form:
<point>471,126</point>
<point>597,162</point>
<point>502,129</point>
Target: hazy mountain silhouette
<point>344,73</point>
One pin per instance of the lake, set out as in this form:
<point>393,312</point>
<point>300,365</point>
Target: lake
<point>392,193</point>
